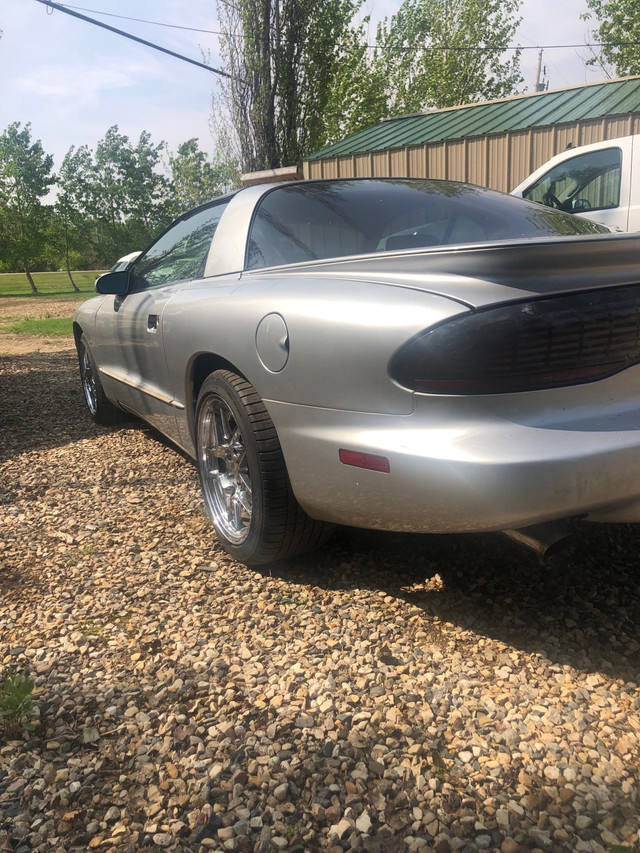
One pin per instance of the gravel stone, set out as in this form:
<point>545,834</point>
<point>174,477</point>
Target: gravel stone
<point>162,839</point>
<point>363,823</point>
<point>387,694</point>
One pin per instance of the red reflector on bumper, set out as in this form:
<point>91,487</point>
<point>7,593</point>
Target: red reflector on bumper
<point>364,460</point>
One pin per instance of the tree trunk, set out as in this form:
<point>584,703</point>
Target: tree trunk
<point>32,283</point>
<point>66,257</point>
<point>73,284</point>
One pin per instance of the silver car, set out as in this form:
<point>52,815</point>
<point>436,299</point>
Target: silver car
<point>395,354</point>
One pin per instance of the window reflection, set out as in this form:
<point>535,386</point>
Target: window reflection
<point>305,222</point>
<point>180,252</point>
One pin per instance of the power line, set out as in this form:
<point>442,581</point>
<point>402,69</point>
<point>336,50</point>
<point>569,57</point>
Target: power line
<point>51,5</point>
<point>145,21</point>
<point>486,49</point>
<point>501,49</point>
<point>372,46</point>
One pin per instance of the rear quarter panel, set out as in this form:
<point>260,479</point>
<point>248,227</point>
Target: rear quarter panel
<point>341,337</point>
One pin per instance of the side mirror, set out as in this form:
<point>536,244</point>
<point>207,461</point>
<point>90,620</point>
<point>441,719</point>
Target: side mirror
<point>116,283</point>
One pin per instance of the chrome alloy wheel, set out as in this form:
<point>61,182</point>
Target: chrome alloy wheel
<point>226,481</point>
<point>88,382</point>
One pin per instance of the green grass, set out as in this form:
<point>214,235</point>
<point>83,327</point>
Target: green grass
<point>47,327</point>
<point>48,283</point>
<point>16,703</point>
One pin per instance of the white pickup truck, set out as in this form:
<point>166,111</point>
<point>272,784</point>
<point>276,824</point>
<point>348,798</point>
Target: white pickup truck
<point>599,182</point>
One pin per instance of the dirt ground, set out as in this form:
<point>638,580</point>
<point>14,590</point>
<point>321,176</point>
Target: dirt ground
<point>18,308</point>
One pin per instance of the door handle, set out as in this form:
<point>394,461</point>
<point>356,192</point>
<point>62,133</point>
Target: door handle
<point>153,321</point>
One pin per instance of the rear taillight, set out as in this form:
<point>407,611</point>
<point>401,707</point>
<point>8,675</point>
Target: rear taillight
<point>541,343</point>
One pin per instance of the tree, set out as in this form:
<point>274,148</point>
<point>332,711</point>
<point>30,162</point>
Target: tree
<point>73,225</point>
<point>283,56</point>
<point>125,194</point>
<point>619,31</point>
<point>358,98</point>
<point>195,178</point>
<point>442,53</point>
<point>146,189</point>
<point>25,179</point>
<point>110,201</point>
<point>116,200</point>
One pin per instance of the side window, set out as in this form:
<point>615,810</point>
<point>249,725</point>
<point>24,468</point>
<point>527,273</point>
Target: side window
<point>179,254</point>
<point>292,225</point>
<point>585,182</point>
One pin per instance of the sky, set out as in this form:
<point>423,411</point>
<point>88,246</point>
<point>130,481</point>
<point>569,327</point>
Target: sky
<point>73,80</point>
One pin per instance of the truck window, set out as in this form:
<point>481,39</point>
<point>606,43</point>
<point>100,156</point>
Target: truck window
<point>586,182</point>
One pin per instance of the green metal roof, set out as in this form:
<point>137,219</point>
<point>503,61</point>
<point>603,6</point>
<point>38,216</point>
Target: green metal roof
<point>611,97</point>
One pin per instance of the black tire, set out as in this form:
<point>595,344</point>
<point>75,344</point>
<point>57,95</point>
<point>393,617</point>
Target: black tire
<point>243,476</point>
<point>100,408</point>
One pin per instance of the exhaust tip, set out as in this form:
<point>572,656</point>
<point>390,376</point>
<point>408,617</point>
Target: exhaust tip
<point>544,539</point>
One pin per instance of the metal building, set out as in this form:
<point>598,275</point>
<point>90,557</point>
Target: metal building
<point>495,143</point>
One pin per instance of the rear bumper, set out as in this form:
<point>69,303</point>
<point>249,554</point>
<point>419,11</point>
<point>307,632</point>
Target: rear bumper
<point>454,468</point>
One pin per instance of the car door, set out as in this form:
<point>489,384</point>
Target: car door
<point>131,328</point>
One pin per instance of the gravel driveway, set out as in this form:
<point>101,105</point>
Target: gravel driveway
<point>384,694</point>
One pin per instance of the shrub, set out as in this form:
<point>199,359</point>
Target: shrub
<point>16,703</point>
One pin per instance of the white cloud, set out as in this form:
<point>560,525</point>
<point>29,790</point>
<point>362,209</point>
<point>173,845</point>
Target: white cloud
<point>84,82</point>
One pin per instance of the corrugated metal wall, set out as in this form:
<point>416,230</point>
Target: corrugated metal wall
<point>499,161</point>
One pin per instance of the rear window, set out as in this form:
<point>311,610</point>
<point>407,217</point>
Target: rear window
<point>327,219</point>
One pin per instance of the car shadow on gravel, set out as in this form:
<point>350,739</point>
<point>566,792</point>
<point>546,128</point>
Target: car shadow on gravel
<point>41,403</point>
<point>580,608</point>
